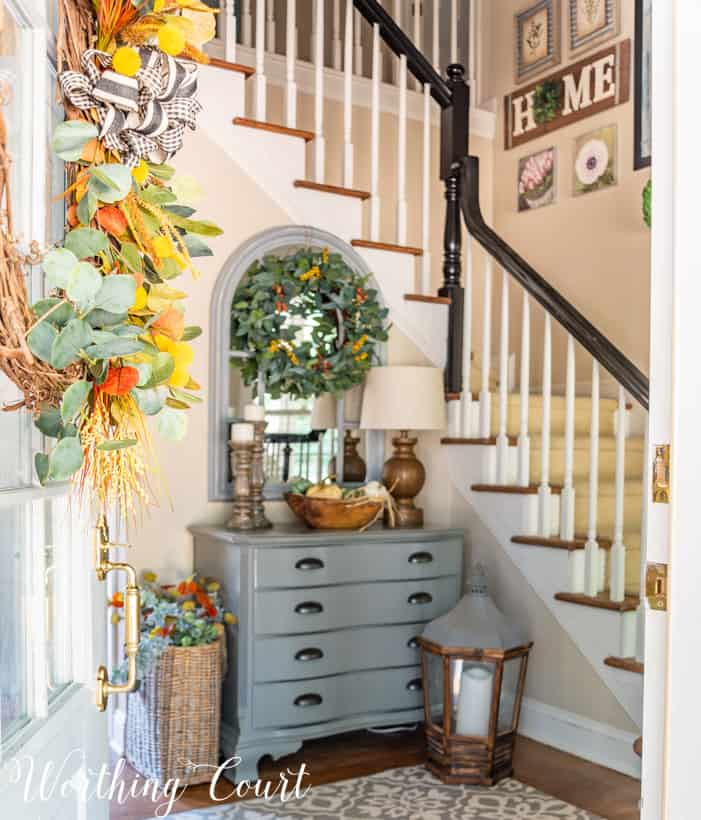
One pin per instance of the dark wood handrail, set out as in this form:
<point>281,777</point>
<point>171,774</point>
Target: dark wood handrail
<point>461,174</point>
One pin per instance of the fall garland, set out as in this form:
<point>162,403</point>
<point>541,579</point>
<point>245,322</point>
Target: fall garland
<point>309,324</point>
<point>109,345</point>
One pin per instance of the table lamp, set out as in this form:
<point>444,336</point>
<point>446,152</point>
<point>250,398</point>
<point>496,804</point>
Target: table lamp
<point>325,417</point>
<point>404,399</point>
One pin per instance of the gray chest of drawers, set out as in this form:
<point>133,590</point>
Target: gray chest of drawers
<point>327,627</point>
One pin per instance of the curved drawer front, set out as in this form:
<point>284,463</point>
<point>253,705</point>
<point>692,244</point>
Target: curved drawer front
<point>331,653</point>
<point>316,609</point>
<point>355,563</point>
<point>322,699</point>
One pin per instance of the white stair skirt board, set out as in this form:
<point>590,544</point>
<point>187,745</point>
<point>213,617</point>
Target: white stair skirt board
<point>580,736</point>
<point>597,633</point>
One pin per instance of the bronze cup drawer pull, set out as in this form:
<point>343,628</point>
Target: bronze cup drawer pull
<point>311,699</point>
<point>310,654</point>
<point>309,608</point>
<point>420,598</point>
<point>421,558</point>
<point>414,685</point>
<point>306,564</point>
<point>413,643</point>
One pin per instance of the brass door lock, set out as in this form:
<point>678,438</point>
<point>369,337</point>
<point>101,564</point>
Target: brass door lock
<point>656,586</point>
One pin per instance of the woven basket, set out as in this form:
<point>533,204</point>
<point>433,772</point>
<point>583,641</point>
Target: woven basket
<point>173,719</point>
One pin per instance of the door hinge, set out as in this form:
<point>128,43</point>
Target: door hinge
<point>656,586</point>
<point>660,474</point>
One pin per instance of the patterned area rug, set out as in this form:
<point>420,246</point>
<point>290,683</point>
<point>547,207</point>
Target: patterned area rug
<point>404,794</point>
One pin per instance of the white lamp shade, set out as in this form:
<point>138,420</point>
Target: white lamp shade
<point>325,408</point>
<point>404,398</point>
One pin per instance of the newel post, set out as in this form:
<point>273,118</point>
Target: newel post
<point>454,145</point>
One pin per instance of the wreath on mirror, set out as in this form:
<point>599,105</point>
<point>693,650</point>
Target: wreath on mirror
<point>308,323</point>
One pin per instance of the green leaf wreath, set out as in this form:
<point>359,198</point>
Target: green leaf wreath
<point>310,324</point>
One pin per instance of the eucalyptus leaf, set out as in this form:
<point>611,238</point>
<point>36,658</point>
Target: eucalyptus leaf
<point>118,346</point>
<point>61,311</point>
<point>58,265</point>
<point>73,400</point>
<point>66,348</point>
<point>65,459</point>
<point>132,257</point>
<point>191,332</point>
<point>84,283</point>
<point>196,246</point>
<point>117,293</point>
<point>180,210</point>
<point>49,421</point>
<point>87,208</point>
<point>110,181</point>
<point>199,226</point>
<point>145,370</point>
<point>104,318</point>
<point>150,400</point>
<point>172,424</point>
<point>86,242</point>
<point>162,366</point>
<point>184,396</point>
<point>161,170</point>
<point>157,195</point>
<point>116,444</point>
<point>70,137</point>
<point>41,465</point>
<point>41,339</point>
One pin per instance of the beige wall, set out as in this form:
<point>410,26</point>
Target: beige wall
<point>593,248</point>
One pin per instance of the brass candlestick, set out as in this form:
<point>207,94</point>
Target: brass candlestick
<point>241,465</point>
<point>260,521</point>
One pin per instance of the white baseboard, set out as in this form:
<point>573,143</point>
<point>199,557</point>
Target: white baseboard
<point>118,724</point>
<point>580,736</point>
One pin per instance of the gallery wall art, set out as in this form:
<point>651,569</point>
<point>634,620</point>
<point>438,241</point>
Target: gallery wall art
<point>642,152</point>
<point>592,22</point>
<point>537,38</point>
<point>536,180</point>
<point>595,163</point>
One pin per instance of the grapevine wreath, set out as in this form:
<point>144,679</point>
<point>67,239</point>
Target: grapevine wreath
<point>309,323</point>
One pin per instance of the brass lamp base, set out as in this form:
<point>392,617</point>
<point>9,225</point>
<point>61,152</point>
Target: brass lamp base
<point>404,476</point>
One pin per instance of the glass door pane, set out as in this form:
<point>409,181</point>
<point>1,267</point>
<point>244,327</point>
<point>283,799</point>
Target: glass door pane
<point>58,590</point>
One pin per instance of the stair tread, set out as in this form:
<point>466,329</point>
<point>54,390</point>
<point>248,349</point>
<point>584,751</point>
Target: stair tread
<point>578,543</point>
<point>601,601</point>
<point>431,300</point>
<point>557,442</point>
<point>512,489</point>
<point>355,193</point>
<point>627,664</point>
<point>307,136</point>
<point>237,67</point>
<point>386,246</point>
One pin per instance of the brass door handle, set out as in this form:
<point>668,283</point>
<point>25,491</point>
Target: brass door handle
<point>132,615</point>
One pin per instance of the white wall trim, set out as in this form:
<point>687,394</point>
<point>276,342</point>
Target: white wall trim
<point>118,725</point>
<point>482,123</point>
<point>597,742</point>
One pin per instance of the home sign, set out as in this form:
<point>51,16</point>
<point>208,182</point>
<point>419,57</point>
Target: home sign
<point>599,82</point>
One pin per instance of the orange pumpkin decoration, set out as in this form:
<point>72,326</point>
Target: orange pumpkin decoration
<point>112,220</point>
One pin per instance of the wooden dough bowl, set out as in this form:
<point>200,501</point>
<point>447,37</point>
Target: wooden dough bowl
<point>333,514</point>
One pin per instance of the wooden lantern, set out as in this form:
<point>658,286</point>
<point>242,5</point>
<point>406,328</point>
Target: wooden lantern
<point>474,666</point>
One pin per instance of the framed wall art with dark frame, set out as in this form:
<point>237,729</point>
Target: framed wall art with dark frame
<point>642,151</point>
<point>592,22</point>
<point>537,38</point>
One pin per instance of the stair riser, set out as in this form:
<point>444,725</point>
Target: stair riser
<point>632,511</point>
<point>582,417</point>
<point>607,465</point>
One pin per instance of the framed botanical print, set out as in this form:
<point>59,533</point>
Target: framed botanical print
<point>592,22</point>
<point>642,153</point>
<point>537,38</point>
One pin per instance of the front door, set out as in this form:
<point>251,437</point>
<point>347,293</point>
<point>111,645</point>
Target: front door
<point>52,609</point>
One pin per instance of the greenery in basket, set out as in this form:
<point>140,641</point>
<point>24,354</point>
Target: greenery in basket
<point>546,101</point>
<point>187,614</point>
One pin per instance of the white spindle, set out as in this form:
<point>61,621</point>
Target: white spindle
<point>426,196</point>
<point>454,23</point>
<point>246,24</point>
<point>336,50</point>
<point>319,141</point>
<point>401,154</point>
<point>524,440</point>
<point>502,437</point>
<point>375,136</point>
<point>466,425</point>
<point>416,10</point>
<point>485,397</point>
<point>436,32</point>
<point>348,98</point>
<point>397,14</point>
<point>230,31</point>
<point>358,41</point>
<point>618,550</point>
<point>592,571</point>
<point>260,61</point>
<point>567,494</point>
<point>270,26</point>
<point>544,495</point>
<point>291,61</point>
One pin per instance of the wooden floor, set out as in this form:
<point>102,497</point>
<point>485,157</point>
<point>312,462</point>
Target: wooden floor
<point>601,791</point>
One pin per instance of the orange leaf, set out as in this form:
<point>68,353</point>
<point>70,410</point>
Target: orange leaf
<point>119,381</point>
<point>170,323</point>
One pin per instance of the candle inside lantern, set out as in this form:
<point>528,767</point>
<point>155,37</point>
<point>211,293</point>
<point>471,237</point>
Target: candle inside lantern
<point>254,412</point>
<point>474,705</point>
<point>242,432</point>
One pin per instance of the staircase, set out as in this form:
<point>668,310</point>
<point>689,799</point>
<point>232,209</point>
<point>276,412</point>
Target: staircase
<point>556,476</point>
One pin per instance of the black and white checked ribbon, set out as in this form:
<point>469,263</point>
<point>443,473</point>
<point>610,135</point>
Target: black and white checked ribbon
<point>141,117</point>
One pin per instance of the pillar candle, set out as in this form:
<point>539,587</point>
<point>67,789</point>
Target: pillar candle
<point>474,703</point>
<point>243,431</point>
<point>254,412</point>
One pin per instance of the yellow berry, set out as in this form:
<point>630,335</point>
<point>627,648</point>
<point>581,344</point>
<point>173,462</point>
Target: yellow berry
<point>140,173</point>
<point>140,298</point>
<point>179,377</point>
<point>149,577</point>
<point>163,247</point>
<point>188,605</point>
<point>126,60</point>
<point>171,39</point>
